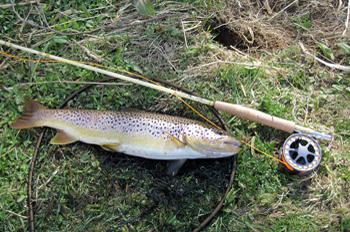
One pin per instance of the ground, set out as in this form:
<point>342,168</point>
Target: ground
<point>235,51</point>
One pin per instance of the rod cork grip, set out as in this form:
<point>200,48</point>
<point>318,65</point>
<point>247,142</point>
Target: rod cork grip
<point>255,115</point>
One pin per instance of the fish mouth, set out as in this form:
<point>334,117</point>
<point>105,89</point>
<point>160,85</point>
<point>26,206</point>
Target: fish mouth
<point>234,143</point>
<point>231,148</point>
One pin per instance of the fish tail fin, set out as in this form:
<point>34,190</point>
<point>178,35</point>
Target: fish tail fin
<point>28,119</point>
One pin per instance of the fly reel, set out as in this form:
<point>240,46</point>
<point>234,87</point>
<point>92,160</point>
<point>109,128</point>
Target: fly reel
<point>301,154</point>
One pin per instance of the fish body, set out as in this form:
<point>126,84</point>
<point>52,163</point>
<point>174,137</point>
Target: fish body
<point>136,133</point>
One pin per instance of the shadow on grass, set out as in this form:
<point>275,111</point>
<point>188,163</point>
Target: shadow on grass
<point>120,191</point>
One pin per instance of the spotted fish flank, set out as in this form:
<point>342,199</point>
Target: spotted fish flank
<point>143,134</point>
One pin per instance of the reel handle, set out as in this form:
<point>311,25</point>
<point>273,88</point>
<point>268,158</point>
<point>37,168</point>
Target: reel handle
<point>268,120</point>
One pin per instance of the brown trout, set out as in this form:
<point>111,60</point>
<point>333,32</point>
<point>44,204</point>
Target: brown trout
<point>136,133</point>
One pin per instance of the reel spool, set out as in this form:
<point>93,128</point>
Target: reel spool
<point>301,153</point>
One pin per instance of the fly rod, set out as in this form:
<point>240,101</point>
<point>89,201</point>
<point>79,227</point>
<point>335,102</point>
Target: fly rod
<point>233,109</point>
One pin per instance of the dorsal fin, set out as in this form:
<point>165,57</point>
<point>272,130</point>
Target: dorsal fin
<point>174,166</point>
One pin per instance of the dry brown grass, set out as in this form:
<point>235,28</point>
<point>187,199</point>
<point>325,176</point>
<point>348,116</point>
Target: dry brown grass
<point>273,25</point>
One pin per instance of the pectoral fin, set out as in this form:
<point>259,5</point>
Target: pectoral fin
<point>174,167</point>
<point>176,140</point>
<point>62,138</point>
<point>111,146</point>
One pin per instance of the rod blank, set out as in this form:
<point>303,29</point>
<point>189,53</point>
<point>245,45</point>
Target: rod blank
<point>111,74</point>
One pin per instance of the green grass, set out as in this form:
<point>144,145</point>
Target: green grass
<point>83,188</point>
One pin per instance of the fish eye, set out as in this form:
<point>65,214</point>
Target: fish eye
<point>220,133</point>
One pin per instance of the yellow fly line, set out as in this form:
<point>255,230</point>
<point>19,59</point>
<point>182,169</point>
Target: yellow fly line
<point>174,93</point>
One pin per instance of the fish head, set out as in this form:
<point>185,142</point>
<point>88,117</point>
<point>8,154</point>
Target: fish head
<point>226,144</point>
<point>211,142</point>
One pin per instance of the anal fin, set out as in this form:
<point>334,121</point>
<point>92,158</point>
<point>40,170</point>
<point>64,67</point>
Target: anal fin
<point>174,166</point>
<point>110,147</point>
<point>62,138</point>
